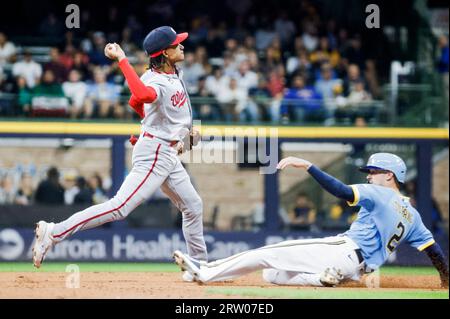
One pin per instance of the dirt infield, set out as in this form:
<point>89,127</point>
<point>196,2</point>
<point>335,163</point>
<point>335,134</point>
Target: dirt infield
<point>164,285</point>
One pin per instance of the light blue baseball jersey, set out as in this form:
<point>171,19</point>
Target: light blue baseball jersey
<point>386,219</point>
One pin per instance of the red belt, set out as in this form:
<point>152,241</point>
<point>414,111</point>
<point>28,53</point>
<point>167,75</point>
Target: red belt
<point>171,143</point>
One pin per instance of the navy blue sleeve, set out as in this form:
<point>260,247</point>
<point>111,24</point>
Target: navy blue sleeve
<point>437,257</point>
<point>331,184</point>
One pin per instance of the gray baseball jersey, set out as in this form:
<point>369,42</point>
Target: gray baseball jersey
<point>170,115</point>
<point>155,164</point>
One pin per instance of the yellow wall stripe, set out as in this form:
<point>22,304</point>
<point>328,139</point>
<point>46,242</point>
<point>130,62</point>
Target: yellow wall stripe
<point>222,130</point>
<point>69,128</point>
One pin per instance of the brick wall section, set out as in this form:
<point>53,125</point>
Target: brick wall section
<point>86,161</point>
<point>235,191</point>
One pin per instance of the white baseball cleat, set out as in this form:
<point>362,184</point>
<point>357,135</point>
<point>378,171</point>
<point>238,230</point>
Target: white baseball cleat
<point>42,242</point>
<point>187,264</point>
<point>331,277</point>
<point>187,277</point>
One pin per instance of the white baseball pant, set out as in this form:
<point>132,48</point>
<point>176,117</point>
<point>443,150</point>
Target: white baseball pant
<point>155,164</point>
<point>293,262</point>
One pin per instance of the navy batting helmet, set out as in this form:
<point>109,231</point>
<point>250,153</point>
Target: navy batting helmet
<point>160,39</point>
<point>386,161</point>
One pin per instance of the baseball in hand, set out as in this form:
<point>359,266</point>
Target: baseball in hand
<point>114,51</point>
<point>109,50</point>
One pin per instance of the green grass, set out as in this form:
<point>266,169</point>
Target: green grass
<point>410,271</point>
<point>314,293</point>
<point>89,267</point>
<point>163,267</point>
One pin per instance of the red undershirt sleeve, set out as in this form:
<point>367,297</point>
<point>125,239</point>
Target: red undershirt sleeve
<point>137,106</point>
<point>142,93</point>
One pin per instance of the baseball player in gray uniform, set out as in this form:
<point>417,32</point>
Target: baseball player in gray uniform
<point>161,100</point>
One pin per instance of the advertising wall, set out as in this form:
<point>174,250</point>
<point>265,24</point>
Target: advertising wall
<point>123,245</point>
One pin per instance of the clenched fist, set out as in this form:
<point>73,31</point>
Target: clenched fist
<point>114,51</point>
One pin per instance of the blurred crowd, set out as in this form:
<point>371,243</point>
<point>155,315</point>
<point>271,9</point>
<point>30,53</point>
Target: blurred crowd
<point>25,187</point>
<point>281,67</point>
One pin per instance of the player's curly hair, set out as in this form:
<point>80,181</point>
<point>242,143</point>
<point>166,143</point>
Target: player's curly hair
<point>157,62</point>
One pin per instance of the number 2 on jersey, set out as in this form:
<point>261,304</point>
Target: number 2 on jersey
<point>396,238</point>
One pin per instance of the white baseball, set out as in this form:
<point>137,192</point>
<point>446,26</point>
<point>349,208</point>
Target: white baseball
<point>110,50</point>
